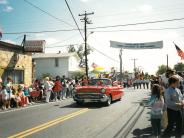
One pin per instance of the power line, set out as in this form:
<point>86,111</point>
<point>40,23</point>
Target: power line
<point>140,23</point>
<point>67,30</point>
<point>149,29</point>
<point>74,19</point>
<point>64,40</point>
<point>37,32</point>
<point>59,46</point>
<point>70,30</point>
<point>49,14</point>
<point>105,55</point>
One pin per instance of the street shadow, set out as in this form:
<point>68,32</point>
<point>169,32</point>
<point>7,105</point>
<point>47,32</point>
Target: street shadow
<point>87,105</point>
<point>142,133</point>
<point>143,102</point>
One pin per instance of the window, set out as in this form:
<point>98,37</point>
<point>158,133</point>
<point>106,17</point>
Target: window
<point>56,62</point>
<point>16,75</point>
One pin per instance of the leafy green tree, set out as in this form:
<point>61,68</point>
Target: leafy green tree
<point>71,49</point>
<point>80,51</point>
<point>161,69</point>
<point>179,66</point>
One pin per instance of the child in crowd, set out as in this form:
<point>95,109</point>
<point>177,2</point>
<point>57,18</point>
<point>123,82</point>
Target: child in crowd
<point>157,106</point>
<point>4,94</point>
<point>22,97</point>
<point>27,95</point>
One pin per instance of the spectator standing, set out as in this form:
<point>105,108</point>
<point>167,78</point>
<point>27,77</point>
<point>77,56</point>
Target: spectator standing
<point>143,82</point>
<point>48,85</point>
<point>140,83</point>
<point>9,90</point>
<point>135,83</point>
<point>57,88</point>
<point>174,102</point>
<point>64,89</point>
<point>147,83</point>
<point>4,94</point>
<point>67,89</point>
<point>157,106</point>
<point>71,87</point>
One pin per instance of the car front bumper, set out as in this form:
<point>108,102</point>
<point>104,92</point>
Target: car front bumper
<point>101,98</point>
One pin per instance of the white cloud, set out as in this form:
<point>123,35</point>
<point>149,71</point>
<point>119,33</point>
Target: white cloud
<point>145,9</point>
<point>50,40</point>
<point>39,35</point>
<point>9,41</point>
<point>8,9</point>
<point>3,2</point>
<point>84,0</point>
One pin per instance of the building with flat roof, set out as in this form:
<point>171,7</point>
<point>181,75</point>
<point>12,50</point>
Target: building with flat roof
<point>56,64</point>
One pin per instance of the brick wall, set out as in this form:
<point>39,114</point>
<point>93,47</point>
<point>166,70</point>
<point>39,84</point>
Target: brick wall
<point>18,61</point>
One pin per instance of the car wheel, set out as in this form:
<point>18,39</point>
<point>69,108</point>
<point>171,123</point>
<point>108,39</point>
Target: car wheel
<point>108,101</point>
<point>119,99</point>
<point>79,103</point>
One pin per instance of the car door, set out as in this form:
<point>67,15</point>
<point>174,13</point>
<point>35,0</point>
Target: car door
<point>120,92</point>
<point>115,91</point>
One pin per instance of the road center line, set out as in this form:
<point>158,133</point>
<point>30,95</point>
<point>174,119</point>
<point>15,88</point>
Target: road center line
<point>48,124</point>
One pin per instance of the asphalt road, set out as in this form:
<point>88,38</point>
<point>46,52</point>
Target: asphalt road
<point>67,120</point>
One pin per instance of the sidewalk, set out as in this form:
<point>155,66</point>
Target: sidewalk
<point>142,128</point>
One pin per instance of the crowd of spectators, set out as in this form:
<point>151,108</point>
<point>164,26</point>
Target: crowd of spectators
<point>167,104</point>
<point>44,90</point>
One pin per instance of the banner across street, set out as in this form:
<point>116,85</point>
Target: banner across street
<point>147,45</point>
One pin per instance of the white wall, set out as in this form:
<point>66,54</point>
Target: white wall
<point>47,65</point>
<point>73,64</point>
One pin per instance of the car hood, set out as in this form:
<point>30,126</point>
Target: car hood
<point>90,89</point>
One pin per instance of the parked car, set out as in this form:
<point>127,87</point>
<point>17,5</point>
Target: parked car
<point>98,90</point>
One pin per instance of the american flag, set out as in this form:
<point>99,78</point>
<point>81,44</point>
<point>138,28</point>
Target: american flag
<point>180,52</point>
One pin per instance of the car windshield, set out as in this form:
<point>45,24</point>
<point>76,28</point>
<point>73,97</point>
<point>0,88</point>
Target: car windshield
<point>97,82</point>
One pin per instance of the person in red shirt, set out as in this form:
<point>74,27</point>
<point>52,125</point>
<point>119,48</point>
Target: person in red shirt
<point>84,81</point>
<point>57,88</point>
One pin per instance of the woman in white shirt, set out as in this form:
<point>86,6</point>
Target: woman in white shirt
<point>48,85</point>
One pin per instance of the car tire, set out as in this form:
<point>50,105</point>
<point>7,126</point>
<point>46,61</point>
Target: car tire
<point>79,103</point>
<point>109,101</point>
<point>119,99</point>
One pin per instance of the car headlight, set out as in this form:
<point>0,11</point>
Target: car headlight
<point>103,90</point>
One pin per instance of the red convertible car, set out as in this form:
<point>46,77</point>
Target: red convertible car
<point>99,90</point>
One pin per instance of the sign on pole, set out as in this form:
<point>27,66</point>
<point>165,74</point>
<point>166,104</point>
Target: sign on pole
<point>147,45</point>
<point>34,46</point>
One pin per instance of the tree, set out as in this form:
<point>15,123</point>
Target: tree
<point>80,52</point>
<point>179,66</point>
<point>71,49</point>
<point>162,69</point>
<point>78,74</point>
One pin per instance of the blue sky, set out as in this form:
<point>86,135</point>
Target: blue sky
<point>18,16</point>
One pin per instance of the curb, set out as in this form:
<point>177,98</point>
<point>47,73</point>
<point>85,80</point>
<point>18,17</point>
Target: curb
<point>127,127</point>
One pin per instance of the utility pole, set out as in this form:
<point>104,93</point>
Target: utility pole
<point>120,58</point>
<point>134,59</point>
<point>86,21</point>
<point>167,61</point>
